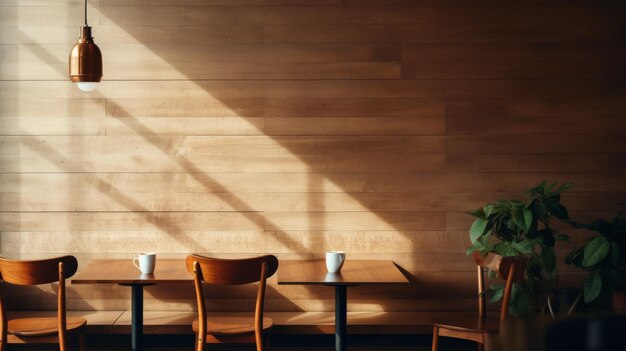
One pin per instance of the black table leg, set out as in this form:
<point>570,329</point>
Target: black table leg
<point>137,318</point>
<point>341,317</point>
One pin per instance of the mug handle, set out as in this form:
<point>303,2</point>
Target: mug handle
<point>135,260</point>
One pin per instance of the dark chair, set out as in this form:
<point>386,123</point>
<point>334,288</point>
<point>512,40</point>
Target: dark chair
<point>232,272</point>
<point>479,328</point>
<point>39,329</point>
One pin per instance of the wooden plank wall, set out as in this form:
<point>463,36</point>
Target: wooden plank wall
<point>237,127</point>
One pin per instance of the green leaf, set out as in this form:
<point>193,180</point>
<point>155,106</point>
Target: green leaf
<point>519,301</point>
<point>528,218</point>
<point>479,213</point>
<point>518,218</point>
<point>498,292</point>
<point>538,189</point>
<point>524,246</point>
<point>477,229</point>
<point>487,210</point>
<point>564,187</point>
<point>593,286</point>
<point>559,211</point>
<point>549,188</point>
<point>475,246</point>
<point>540,209</point>
<point>470,250</point>
<point>596,250</point>
<point>505,249</point>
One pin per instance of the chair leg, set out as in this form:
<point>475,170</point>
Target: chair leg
<point>62,344</point>
<point>81,340</point>
<point>435,339</point>
<point>198,346</point>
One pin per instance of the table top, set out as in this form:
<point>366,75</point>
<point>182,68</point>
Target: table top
<point>122,271</point>
<point>354,272</point>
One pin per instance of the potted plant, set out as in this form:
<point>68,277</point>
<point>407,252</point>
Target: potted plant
<point>521,228</point>
<point>604,256</point>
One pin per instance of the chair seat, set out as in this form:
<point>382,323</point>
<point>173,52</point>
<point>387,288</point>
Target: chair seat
<point>470,324</point>
<point>37,326</point>
<point>232,325</point>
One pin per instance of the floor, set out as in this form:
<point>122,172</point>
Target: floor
<point>292,343</point>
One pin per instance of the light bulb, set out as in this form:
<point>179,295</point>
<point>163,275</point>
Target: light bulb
<point>86,86</point>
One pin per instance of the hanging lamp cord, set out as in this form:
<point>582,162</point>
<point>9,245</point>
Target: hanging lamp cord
<point>86,25</point>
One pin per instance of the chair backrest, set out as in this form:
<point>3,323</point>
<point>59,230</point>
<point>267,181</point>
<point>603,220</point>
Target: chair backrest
<point>510,269</point>
<point>232,272</point>
<point>36,272</point>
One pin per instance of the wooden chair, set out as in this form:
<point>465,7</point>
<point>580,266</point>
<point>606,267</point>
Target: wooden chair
<point>39,330</point>
<point>479,328</point>
<point>232,272</point>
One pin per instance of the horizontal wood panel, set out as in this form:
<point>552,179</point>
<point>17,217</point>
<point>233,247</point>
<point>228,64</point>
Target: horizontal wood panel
<point>234,90</point>
<point>275,53</point>
<point>46,108</point>
<point>492,69</point>
<point>617,143</point>
<point>185,126</point>
<point>439,32</point>
<point>617,163</point>
<point>427,14</point>
<point>167,221</point>
<point>106,199</point>
<point>528,163</point>
<point>77,145</point>
<point>209,107</point>
<point>315,145</point>
<point>356,221</point>
<point>512,51</point>
<point>427,243</point>
<point>353,126</point>
<point>164,183</point>
<point>355,107</point>
<point>52,126</point>
<point>13,15</point>
<point>89,154</point>
<point>533,144</point>
<point>539,89</point>
<point>111,34</point>
<point>323,163</point>
<point>216,70</point>
<point>498,125</point>
<point>573,107</point>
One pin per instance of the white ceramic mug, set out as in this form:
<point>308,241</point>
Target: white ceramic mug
<point>147,261</point>
<point>335,260</point>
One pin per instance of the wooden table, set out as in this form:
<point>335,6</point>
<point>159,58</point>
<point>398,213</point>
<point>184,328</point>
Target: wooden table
<point>354,272</point>
<point>123,272</point>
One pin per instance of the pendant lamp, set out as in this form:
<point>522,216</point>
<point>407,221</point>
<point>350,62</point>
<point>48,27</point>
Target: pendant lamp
<point>85,60</point>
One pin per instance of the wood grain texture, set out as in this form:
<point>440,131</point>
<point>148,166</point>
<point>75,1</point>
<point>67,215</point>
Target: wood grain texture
<point>353,272</point>
<point>293,127</point>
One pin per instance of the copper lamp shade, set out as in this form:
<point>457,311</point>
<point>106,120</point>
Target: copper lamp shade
<point>85,61</point>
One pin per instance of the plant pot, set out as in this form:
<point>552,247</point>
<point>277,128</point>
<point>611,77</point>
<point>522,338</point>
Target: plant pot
<point>618,300</point>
